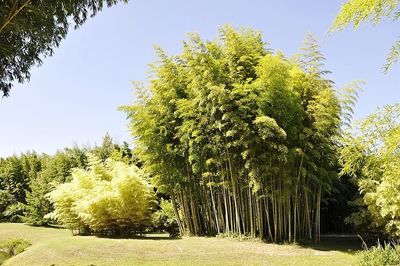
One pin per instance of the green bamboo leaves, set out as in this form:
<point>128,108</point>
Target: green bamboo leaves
<point>240,137</point>
<point>107,198</point>
<point>372,158</point>
<point>357,11</point>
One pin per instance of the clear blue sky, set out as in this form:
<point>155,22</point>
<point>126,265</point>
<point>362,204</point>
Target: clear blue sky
<point>73,97</point>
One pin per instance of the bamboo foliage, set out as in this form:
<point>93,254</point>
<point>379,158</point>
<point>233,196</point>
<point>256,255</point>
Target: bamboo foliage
<point>108,198</point>
<point>242,138</point>
<point>371,156</point>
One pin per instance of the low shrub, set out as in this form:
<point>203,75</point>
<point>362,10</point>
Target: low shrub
<point>109,198</point>
<point>12,247</point>
<point>381,255</point>
<point>240,237</point>
<point>3,256</point>
<point>164,219</point>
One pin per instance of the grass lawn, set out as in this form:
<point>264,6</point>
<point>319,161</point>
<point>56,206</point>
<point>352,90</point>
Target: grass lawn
<point>58,247</point>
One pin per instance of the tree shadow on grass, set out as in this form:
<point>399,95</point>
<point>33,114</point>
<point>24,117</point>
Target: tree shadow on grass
<point>336,242</point>
<point>153,236</point>
<point>51,226</point>
<point>146,236</point>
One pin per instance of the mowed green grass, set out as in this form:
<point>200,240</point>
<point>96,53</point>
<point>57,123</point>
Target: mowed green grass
<point>52,246</point>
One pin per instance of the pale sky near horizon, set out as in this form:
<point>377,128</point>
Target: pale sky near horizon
<point>73,97</point>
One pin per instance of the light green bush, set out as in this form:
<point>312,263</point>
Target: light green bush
<point>12,247</point>
<point>381,255</point>
<point>108,198</point>
<point>3,256</point>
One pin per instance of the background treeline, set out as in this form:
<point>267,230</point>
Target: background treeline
<point>244,139</point>
<point>25,179</point>
<point>98,190</point>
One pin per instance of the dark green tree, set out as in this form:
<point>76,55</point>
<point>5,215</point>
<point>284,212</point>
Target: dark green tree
<point>56,170</point>
<point>31,29</point>
<point>106,148</point>
<point>15,175</point>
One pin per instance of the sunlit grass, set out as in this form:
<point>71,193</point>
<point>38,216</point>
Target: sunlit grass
<point>59,247</point>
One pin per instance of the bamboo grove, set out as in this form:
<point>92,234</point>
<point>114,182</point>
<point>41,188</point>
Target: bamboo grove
<point>244,139</point>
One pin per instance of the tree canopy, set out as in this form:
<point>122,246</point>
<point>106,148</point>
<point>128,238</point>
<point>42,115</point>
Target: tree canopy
<point>31,29</point>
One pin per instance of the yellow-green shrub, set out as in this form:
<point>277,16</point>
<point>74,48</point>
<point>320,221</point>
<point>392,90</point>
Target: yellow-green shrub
<point>110,198</point>
<point>380,255</point>
<point>12,247</point>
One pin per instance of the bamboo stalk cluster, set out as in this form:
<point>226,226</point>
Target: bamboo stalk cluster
<point>242,139</point>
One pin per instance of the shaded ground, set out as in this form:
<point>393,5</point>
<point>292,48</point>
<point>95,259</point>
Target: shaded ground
<point>345,243</point>
<point>58,247</point>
